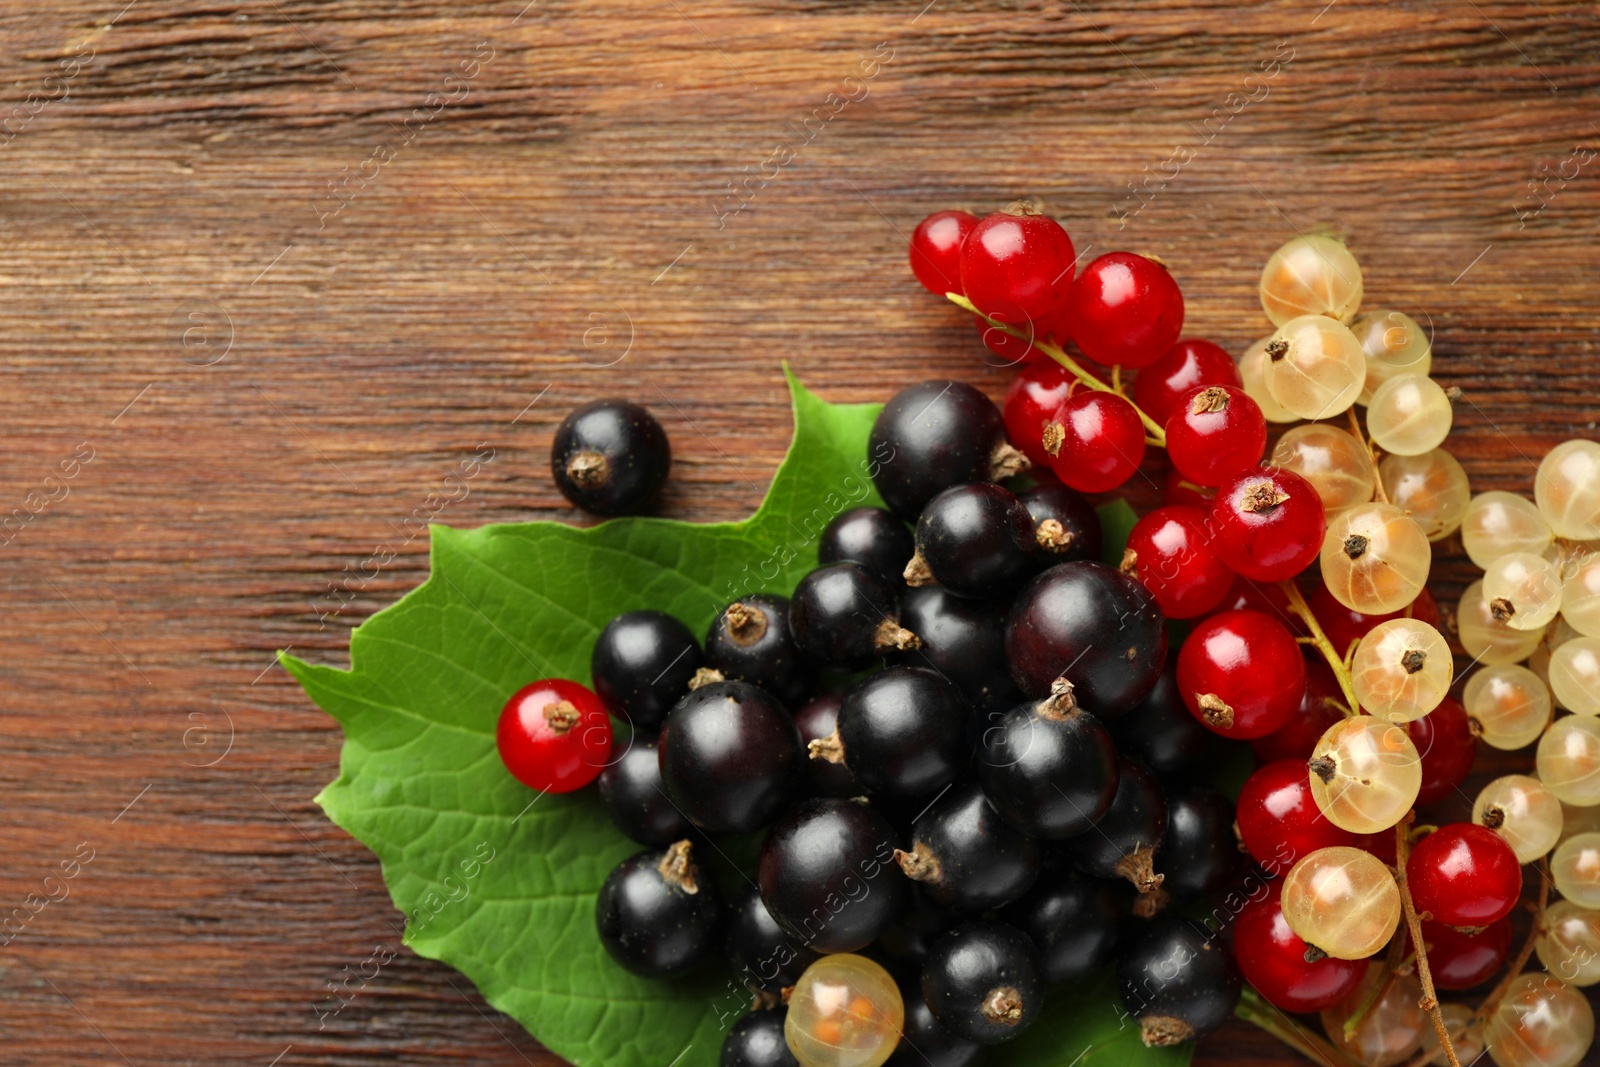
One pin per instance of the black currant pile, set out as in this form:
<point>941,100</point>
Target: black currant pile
<point>965,749</point>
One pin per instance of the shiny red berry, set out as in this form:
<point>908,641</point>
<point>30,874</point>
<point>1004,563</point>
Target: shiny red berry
<point>1465,875</point>
<point>1094,441</point>
<point>1187,364</point>
<point>1241,674</point>
<point>1461,961</point>
<point>1279,821</point>
<point>1268,523</point>
<point>1320,708</point>
<point>1214,432</point>
<point>1273,959</point>
<point>1170,551</point>
<point>1443,738</point>
<point>1038,390</point>
<point>1265,597</point>
<point>936,250</point>
<point>1125,310</point>
<point>1018,267</point>
<point>1344,626</point>
<point>1176,491</point>
<point>554,736</point>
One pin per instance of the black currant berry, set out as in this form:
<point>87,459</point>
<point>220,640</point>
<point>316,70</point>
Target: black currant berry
<point>872,537</point>
<point>765,957</point>
<point>1179,981</point>
<point>982,982</point>
<point>749,642</point>
<point>1065,526</point>
<point>611,457</point>
<point>921,923</point>
<point>828,875</point>
<point>976,540</point>
<point>962,639</point>
<point>1200,854</point>
<point>966,856</point>
<point>924,1042</point>
<point>657,914</point>
<point>757,1041</point>
<point>1126,837</point>
<point>1100,628</point>
<point>1073,922</point>
<point>730,757</point>
<point>934,435</point>
<point>844,618</point>
<point>902,732</point>
<point>1049,767</point>
<point>636,800</point>
<point>816,721</point>
<point>642,663</point>
<point>1161,733</point>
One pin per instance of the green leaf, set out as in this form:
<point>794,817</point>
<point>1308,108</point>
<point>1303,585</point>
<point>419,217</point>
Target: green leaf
<point>500,882</point>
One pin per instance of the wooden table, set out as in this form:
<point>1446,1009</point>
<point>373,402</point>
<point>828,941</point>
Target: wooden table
<point>271,270</point>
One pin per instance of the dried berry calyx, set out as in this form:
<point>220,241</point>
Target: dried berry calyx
<point>1053,537</point>
<point>1215,711</point>
<point>1355,546</point>
<point>746,625</point>
<point>1003,1005</point>
<point>1210,400</point>
<point>677,866</point>
<point>1007,461</point>
<point>891,635</point>
<point>917,573</point>
<point>562,716</point>
<point>1052,437</point>
<point>1262,497</point>
<point>589,469</point>
<point>920,864</point>
<point>1413,660</point>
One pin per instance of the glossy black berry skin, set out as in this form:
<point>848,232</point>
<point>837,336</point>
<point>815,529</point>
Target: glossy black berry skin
<point>1050,771</point>
<point>642,663</point>
<point>611,457</point>
<point>982,982</point>
<point>872,537</point>
<point>1160,733</point>
<point>1126,839</point>
<point>929,437</point>
<point>844,617</point>
<point>749,641</point>
<point>1073,922</point>
<point>634,796</point>
<point>1099,627</point>
<point>966,856</point>
<point>828,876</point>
<point>1200,854</point>
<point>817,719</point>
<point>920,924</point>
<point>976,540</point>
<point>757,1041</point>
<point>924,1041</point>
<point>903,732</point>
<point>762,955</point>
<point>649,920</point>
<point>962,639</point>
<point>730,757</point>
<point>1178,980</point>
<point>1065,526</point>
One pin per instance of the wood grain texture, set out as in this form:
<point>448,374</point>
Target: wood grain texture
<point>271,389</point>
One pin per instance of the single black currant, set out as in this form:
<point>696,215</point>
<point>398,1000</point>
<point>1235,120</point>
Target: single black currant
<point>763,955</point>
<point>828,876</point>
<point>636,800</point>
<point>966,856</point>
<point>657,914</point>
<point>982,982</point>
<point>749,641</point>
<point>817,720</point>
<point>1073,921</point>
<point>1049,767</point>
<point>872,537</point>
<point>611,457</point>
<point>845,618</point>
<point>1065,526</point>
<point>642,664</point>
<point>1161,733</point>
<point>1126,837</point>
<point>1179,981</point>
<point>1100,628</point>
<point>924,1042</point>
<point>933,435</point>
<point>921,922</point>
<point>962,639</point>
<point>1200,854</point>
<point>901,732</point>
<point>976,540</point>
<point>730,757</point>
<point>757,1041</point>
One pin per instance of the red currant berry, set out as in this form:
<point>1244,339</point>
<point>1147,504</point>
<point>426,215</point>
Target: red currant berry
<point>554,736</point>
<point>1319,709</point>
<point>1215,431</point>
<point>936,250</point>
<point>1170,551</point>
<point>1465,874</point>
<point>1241,674</point>
<point>1125,310</point>
<point>1273,959</point>
<point>1187,364</point>
<point>1461,961</point>
<point>1094,441</point>
<point>1344,626</point>
<point>1268,523</point>
<point>1279,821</point>
<point>1444,739</point>
<point>1007,351</point>
<point>1016,265</point>
<point>1034,395</point>
<point>1178,493</point>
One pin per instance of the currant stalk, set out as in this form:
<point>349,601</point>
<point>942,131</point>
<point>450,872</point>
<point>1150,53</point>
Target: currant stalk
<point>1524,954</point>
<point>1430,998</point>
<point>1340,665</point>
<point>1254,1010</point>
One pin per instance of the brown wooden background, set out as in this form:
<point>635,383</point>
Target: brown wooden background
<point>270,398</point>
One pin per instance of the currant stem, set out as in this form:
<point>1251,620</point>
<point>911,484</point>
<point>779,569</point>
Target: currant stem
<point>1430,997</point>
<point>1341,669</point>
<point>1157,434</point>
<point>1524,954</point>
<point>1258,1013</point>
<point>1372,454</point>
